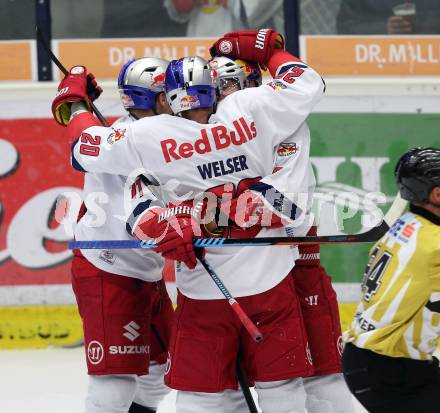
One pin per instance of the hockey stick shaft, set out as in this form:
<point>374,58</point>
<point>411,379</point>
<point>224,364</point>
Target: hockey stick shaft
<point>244,384</point>
<point>243,317</point>
<point>60,66</point>
<point>372,235</point>
<point>369,236</point>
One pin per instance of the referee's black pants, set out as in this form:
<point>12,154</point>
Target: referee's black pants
<point>391,385</point>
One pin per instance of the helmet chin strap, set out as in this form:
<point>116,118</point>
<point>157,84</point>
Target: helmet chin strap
<point>154,108</point>
<point>133,115</point>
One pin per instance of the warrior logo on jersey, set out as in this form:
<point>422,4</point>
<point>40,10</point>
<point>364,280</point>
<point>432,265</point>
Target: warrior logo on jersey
<point>287,149</point>
<point>95,352</point>
<point>117,135</point>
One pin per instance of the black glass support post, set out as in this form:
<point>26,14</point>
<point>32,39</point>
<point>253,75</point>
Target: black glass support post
<point>292,26</point>
<point>43,21</point>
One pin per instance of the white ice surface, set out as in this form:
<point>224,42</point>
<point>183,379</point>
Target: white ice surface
<point>50,381</point>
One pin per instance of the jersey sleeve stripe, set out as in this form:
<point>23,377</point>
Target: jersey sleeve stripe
<point>75,164</point>
<point>280,204</point>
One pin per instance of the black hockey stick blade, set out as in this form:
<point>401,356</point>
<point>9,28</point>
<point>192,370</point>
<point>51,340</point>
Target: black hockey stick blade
<point>60,66</point>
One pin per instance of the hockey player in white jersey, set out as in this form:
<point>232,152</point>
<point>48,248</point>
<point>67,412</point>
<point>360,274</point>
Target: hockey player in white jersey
<point>325,388</point>
<point>120,293</point>
<point>184,157</point>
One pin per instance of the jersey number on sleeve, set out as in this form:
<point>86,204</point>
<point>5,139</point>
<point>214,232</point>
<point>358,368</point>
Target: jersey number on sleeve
<point>291,75</point>
<point>89,144</point>
<point>373,273</point>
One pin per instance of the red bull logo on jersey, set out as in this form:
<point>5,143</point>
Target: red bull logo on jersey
<point>214,138</point>
<point>117,135</point>
<point>287,149</point>
<point>188,102</point>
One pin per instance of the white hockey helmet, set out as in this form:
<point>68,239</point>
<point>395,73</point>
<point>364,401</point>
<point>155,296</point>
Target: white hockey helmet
<point>140,81</point>
<point>227,70</point>
<point>190,84</point>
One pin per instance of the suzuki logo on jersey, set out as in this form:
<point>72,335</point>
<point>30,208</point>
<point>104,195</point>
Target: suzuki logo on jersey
<point>132,330</point>
<point>129,349</point>
<point>217,137</point>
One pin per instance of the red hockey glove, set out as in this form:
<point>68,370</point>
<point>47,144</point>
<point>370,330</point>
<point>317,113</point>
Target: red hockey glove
<point>244,216</point>
<point>248,211</point>
<point>76,86</point>
<point>93,89</point>
<point>173,229</point>
<point>254,45</point>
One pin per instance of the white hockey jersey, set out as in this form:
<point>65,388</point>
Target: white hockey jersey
<point>182,158</point>
<point>108,201</point>
<point>293,175</point>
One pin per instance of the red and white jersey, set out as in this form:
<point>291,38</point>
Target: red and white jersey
<point>108,201</point>
<point>182,159</point>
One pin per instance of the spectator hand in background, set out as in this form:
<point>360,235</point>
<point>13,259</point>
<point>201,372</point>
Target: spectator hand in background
<point>399,25</point>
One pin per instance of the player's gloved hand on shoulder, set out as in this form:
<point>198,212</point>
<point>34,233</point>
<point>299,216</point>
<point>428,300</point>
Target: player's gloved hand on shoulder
<point>174,229</point>
<point>249,212</point>
<point>254,45</point>
<point>76,86</point>
<point>241,217</point>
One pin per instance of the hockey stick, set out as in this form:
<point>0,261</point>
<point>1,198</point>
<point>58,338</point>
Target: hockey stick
<point>60,66</point>
<point>245,320</point>
<point>244,384</point>
<point>372,235</point>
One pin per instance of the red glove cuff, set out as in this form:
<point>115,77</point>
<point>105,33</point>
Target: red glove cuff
<point>278,58</point>
<point>309,254</point>
<point>78,124</point>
